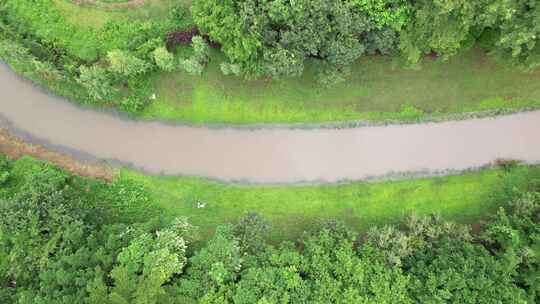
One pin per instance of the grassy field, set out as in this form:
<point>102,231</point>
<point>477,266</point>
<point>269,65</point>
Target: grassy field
<point>380,88</point>
<point>464,198</point>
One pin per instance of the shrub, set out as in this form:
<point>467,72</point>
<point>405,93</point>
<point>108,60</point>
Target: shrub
<point>201,51</point>
<point>46,70</point>
<point>191,66</point>
<point>164,60</point>
<point>13,51</point>
<point>328,75</point>
<point>97,81</point>
<point>4,169</point>
<point>230,68</point>
<point>251,231</point>
<point>126,65</point>
<point>195,64</point>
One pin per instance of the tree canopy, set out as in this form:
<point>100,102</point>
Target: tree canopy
<point>276,38</point>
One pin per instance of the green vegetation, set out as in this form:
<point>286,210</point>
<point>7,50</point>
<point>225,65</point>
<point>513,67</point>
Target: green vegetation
<point>67,239</point>
<point>152,239</point>
<point>275,38</point>
<point>291,210</point>
<point>377,89</point>
<point>449,74</point>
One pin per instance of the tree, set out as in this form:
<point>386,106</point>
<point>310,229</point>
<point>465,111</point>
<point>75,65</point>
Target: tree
<point>45,230</point>
<point>65,239</point>
<point>252,230</point>
<point>514,30</point>
<point>212,269</point>
<point>461,272</point>
<point>147,263</point>
<point>514,236</point>
<point>438,26</point>
<point>220,19</point>
<point>276,38</point>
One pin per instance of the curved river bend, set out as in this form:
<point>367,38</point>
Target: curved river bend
<point>267,155</point>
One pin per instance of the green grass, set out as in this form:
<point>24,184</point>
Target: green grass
<point>292,210</point>
<point>465,198</point>
<point>98,14</point>
<point>87,16</point>
<point>378,89</point>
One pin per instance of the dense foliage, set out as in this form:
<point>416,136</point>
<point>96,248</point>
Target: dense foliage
<point>276,37</point>
<point>66,239</point>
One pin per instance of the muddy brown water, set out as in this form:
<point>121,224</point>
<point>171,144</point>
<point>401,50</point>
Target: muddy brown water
<point>264,155</point>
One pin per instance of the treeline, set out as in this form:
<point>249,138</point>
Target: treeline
<point>66,239</point>
<point>276,38</point>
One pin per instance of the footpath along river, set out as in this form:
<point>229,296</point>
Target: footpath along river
<point>274,155</point>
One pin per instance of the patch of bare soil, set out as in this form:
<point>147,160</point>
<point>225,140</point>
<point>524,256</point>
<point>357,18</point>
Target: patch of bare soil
<point>15,148</point>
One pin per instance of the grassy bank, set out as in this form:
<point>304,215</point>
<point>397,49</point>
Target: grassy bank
<point>379,89</point>
<point>464,198</point>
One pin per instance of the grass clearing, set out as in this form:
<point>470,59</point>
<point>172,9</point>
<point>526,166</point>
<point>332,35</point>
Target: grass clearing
<point>465,198</point>
<point>96,15</point>
<point>378,89</point>
<point>87,15</point>
<point>292,210</point>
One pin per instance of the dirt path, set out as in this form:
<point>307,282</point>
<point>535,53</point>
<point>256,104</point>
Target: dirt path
<point>267,155</point>
<point>15,148</point>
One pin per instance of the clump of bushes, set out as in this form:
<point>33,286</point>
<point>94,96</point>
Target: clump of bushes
<point>195,64</point>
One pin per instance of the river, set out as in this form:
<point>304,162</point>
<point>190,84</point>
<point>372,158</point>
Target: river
<point>264,155</point>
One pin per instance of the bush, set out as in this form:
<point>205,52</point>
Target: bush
<point>46,70</point>
<point>191,66</point>
<point>201,51</point>
<point>230,69</point>
<point>195,64</point>
<point>97,81</point>
<point>329,75</point>
<point>164,60</point>
<point>13,51</point>
<point>126,65</point>
<point>4,170</point>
